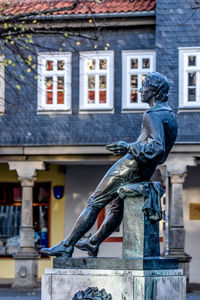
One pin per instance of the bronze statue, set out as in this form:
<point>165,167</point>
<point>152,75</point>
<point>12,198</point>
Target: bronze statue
<point>139,161</point>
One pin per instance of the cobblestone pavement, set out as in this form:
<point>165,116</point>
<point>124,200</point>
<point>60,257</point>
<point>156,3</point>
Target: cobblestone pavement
<point>193,297</point>
<point>10,294</point>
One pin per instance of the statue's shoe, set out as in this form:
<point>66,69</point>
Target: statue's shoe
<point>58,250</point>
<point>87,245</point>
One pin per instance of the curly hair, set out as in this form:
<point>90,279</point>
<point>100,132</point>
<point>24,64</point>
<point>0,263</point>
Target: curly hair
<point>159,84</point>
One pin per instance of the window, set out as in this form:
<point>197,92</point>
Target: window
<point>54,81</point>
<point>10,216</point>
<point>2,86</point>
<point>189,77</point>
<point>135,66</point>
<point>96,80</point>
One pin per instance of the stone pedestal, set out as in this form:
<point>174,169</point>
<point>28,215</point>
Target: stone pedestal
<point>26,270</point>
<point>62,284</point>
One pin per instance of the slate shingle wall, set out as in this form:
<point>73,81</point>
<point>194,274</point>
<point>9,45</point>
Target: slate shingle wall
<point>21,125</point>
<point>177,25</point>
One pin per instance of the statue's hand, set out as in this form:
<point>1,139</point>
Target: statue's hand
<point>118,148</point>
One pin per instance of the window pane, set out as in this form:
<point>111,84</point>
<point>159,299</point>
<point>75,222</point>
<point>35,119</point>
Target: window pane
<point>134,63</point>
<point>102,82</point>
<point>103,64</point>
<point>41,193</point>
<point>10,222</point>
<point>91,64</point>
<point>145,63</point>
<point>191,60</point>
<point>2,194</point>
<point>192,95</point>
<point>91,96</point>
<point>60,97</point>
<point>49,97</point>
<point>49,83</point>
<point>60,83</point>
<point>49,65</point>
<point>102,97</point>
<point>134,97</point>
<point>191,79</point>
<point>143,78</point>
<point>17,194</point>
<point>91,82</point>
<point>134,81</point>
<point>40,223</point>
<point>60,65</point>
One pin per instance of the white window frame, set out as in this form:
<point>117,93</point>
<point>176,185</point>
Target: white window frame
<point>42,73</point>
<point>127,71</point>
<point>184,53</point>
<point>2,85</point>
<point>83,96</point>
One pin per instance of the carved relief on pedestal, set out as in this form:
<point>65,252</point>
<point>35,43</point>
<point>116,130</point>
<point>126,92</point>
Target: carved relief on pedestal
<point>92,293</point>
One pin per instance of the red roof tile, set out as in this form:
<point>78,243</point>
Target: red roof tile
<point>83,7</point>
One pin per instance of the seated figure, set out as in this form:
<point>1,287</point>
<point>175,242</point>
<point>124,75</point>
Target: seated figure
<point>139,161</point>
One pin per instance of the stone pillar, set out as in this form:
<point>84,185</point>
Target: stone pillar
<point>26,259</point>
<point>177,232</point>
<point>177,170</point>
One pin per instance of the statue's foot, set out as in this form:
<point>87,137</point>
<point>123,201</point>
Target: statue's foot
<point>58,250</point>
<point>87,245</point>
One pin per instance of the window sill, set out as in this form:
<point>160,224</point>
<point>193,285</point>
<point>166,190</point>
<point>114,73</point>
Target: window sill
<point>134,111</point>
<point>53,112</point>
<point>96,111</point>
<point>188,109</point>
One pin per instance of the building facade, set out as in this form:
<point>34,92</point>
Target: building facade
<point>54,128</point>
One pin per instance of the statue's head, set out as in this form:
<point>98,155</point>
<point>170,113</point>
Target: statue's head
<point>159,85</point>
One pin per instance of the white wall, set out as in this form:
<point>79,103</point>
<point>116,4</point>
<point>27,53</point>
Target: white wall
<point>191,194</point>
<point>81,181</point>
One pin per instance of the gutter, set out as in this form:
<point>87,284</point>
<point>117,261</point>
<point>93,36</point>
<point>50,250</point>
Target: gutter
<point>99,16</point>
<point>136,14</point>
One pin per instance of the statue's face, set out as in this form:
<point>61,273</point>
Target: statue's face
<point>147,93</point>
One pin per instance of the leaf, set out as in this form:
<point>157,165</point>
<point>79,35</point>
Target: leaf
<point>29,70</point>
<point>5,62</point>
<point>18,87</point>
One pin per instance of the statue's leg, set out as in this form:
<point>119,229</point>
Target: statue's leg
<point>82,225</point>
<point>105,192</point>
<point>109,225</point>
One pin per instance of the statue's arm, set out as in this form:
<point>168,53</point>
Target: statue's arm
<point>154,147</point>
